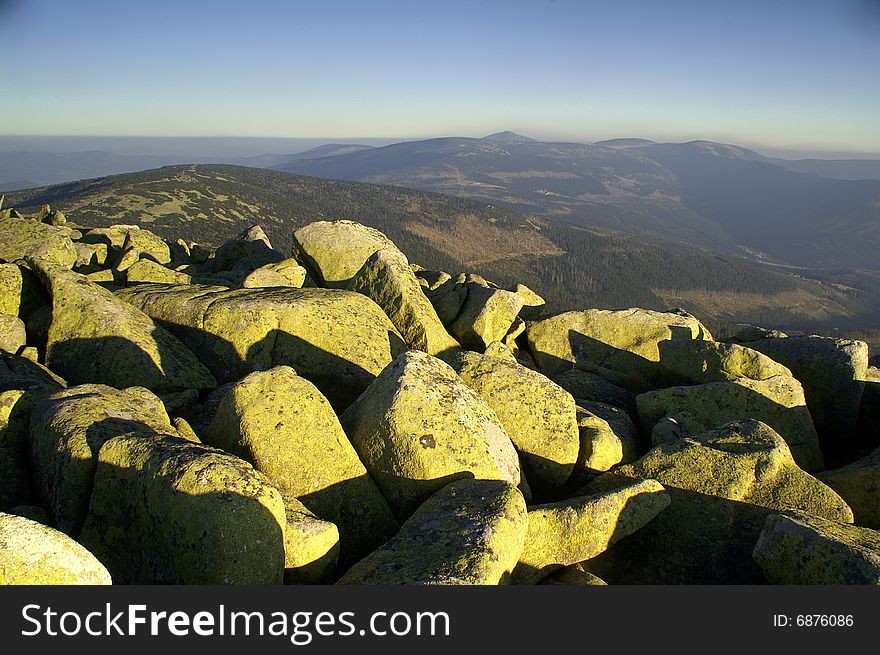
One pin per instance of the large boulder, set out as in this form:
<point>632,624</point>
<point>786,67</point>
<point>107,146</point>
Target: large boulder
<point>626,340</point>
<point>592,387</point>
<point>447,294</point>
<point>796,548</point>
<point>166,510</point>
<point>286,273</point>
<point>388,280</point>
<point>539,417</point>
<point>146,270</point>
<point>574,530</point>
<point>35,554</point>
<point>418,427</point>
<point>699,362</point>
<point>146,245</point>
<point>723,485</point>
<point>779,402</point>
<point>311,546</point>
<point>338,340</point>
<point>21,238</point>
<point>858,484</point>
<point>336,250</point>
<point>95,337</point>
<point>469,532</point>
<point>832,372</point>
<point>22,384</point>
<point>603,445</point>
<point>486,316</point>
<point>286,428</point>
<point>68,428</point>
<point>13,335</point>
<point>252,245</point>
<point>20,291</point>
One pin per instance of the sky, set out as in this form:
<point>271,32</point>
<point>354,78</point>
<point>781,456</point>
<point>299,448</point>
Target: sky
<point>798,75</point>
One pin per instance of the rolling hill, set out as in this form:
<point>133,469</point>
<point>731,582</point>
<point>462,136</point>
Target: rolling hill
<point>571,266</point>
<point>700,193</point>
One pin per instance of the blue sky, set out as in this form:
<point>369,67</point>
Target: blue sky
<point>785,74</point>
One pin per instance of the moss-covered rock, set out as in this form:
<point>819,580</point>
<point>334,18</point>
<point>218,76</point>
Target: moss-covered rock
<point>574,530</point>
<point>388,280</point>
<point>95,337</point>
<point>468,532</point>
<point>446,294</point>
<point>146,270</point>
<point>252,245</point>
<point>859,485</point>
<point>601,448</point>
<point>539,417</point>
<point>336,250</point>
<point>680,425</point>
<point>418,427</point>
<point>699,362</point>
<point>13,335</point>
<point>286,428</point>
<point>20,291</point>
<point>21,237</point>
<point>35,554</point>
<point>22,384</point>
<point>286,273</point>
<point>338,340</point>
<point>486,316</point>
<point>625,340</point>
<point>68,428</point>
<point>779,402</point>
<point>586,386</point>
<point>533,304</point>
<point>723,484</point>
<point>797,548</point>
<point>147,245</point>
<point>165,510</point>
<point>832,372</point>
<point>311,546</point>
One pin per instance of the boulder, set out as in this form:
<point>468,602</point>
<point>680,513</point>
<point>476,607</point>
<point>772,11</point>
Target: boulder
<point>95,337</point>
<point>22,384</point>
<point>533,304</point>
<point>286,428</point>
<point>539,417</point>
<point>338,340</point>
<point>336,250</point>
<point>601,448</point>
<point>251,245</point>
<point>723,485</point>
<point>311,546</point>
<point>418,427</point>
<point>21,238</point>
<point>13,335</point>
<point>35,554</point>
<point>832,372</point>
<point>388,280</point>
<point>626,340</point>
<point>486,316</point>
<point>20,291</point>
<point>591,387</point>
<point>168,511</point>
<point>68,428</point>
<point>286,273</point>
<point>778,402</point>
<point>468,532</point>
<point>699,362</point>
<point>147,245</point>
<point>446,294</point>
<point>625,431</point>
<point>680,425</point>
<point>858,484</point>
<point>146,270</point>
<point>577,529</point>
<point>796,548</point>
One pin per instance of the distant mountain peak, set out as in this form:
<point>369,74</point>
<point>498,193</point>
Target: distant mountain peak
<point>507,135</point>
<point>624,142</point>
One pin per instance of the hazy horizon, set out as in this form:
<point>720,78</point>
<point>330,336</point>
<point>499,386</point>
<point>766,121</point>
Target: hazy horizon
<point>793,77</point>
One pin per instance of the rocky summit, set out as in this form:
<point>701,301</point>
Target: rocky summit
<point>333,413</point>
